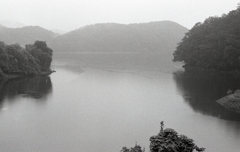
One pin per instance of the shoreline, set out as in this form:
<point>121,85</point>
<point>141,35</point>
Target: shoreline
<point>233,73</point>
<point>13,76</point>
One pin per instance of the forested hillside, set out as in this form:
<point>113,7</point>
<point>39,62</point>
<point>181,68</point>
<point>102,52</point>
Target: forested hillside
<point>25,35</point>
<point>111,37</point>
<point>213,44</point>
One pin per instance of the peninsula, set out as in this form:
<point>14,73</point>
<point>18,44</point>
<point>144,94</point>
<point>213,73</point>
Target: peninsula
<point>212,45</point>
<point>16,61</point>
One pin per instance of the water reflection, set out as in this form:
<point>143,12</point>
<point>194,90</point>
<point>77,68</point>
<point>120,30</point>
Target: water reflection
<point>29,87</point>
<point>201,91</point>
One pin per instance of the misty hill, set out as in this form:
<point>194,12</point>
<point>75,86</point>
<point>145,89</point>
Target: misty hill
<point>112,37</point>
<point>12,23</point>
<point>58,32</point>
<point>25,35</point>
<point>213,44</point>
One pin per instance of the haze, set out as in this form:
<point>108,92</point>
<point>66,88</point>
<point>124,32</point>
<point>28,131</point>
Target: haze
<point>72,14</point>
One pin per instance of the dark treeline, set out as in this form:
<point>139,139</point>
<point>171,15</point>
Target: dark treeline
<point>213,44</point>
<point>32,60</point>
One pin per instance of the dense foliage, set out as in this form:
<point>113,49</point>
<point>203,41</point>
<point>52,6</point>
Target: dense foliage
<point>167,140</point>
<point>111,37</point>
<point>213,44</point>
<point>136,148</point>
<point>31,60</point>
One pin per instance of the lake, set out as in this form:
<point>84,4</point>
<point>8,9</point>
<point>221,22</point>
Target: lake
<point>105,101</point>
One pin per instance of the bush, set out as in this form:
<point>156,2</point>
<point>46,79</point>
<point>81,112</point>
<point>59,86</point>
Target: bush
<point>136,148</point>
<point>168,140</point>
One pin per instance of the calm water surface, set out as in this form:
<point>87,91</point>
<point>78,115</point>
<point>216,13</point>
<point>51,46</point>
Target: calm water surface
<point>102,102</point>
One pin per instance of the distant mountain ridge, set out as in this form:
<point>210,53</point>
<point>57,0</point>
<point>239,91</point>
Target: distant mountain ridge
<point>113,37</point>
<point>161,36</point>
<point>11,24</point>
<point>25,35</point>
<point>59,32</point>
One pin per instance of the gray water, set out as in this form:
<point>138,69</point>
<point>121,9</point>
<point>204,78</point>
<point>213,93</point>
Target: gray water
<point>102,102</point>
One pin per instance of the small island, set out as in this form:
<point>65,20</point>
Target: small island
<point>16,61</point>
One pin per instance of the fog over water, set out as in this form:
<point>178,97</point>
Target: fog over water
<point>102,102</point>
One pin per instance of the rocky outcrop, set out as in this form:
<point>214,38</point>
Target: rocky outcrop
<point>231,102</point>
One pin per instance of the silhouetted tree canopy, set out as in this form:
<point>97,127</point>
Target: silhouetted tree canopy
<point>136,148</point>
<point>213,44</point>
<point>167,140</point>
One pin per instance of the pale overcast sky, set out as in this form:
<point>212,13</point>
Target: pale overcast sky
<point>72,14</point>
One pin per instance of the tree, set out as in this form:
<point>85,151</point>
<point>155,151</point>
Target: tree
<point>43,46</point>
<point>168,140</point>
<point>41,53</point>
<point>136,148</point>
